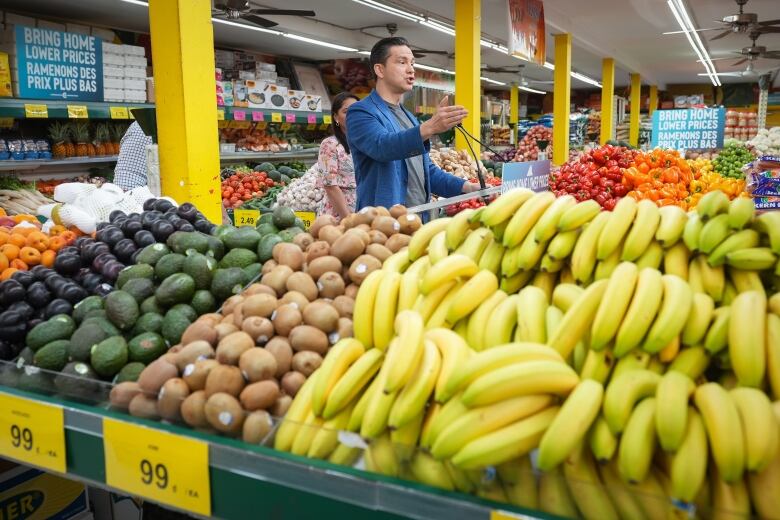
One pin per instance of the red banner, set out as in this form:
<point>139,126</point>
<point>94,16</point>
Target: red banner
<point>526,30</point>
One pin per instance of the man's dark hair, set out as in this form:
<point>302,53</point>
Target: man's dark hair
<point>335,106</point>
<point>381,49</point>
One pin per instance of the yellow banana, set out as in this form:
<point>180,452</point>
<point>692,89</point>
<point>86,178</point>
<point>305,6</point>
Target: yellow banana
<point>712,204</point>
<point>547,225</point>
<point>449,412</point>
<point>509,261</point>
<point>605,267</point>
<point>501,324</point>
<point>408,352</point>
<point>491,258</point>
<point>517,281</point>
<point>526,217</point>
<point>531,315</point>
<point>768,223</point>
<point>773,354</point>
<point>620,221</point>
<point>521,490</point>
<point>746,280</point>
<point>692,362</point>
<point>747,338</point>
<point>597,365</point>
<point>552,320</point>
<point>549,265</point>
<point>730,500</point>
<point>359,412</point>
<point>688,471</point>
<point>643,230</point>
<point>418,245</point>
<point>672,315</point>
<point>717,337</point>
<point>586,488</point>
<point>471,295</point>
<point>562,244</point>
<point>637,442</point>
<point>724,431</point>
<point>622,498</point>
<point>695,275</point>
<point>398,262</point>
<point>327,438</point>
<point>363,315</point>
<point>530,252</point>
<point>505,206</point>
<point>670,228</point>
<point>763,487</point>
<point>475,244</point>
<point>458,227</point>
<point>554,495</point>
<point>546,282</point>
<point>437,248</point>
<point>478,320</point>
<point>576,322</point>
<point>345,455</point>
<point>676,259</point>
<point>578,215</point>
<point>729,293</point>
<point>759,426</point>
<point>565,295</point>
<point>438,317</point>
<point>426,305</point>
<point>774,304</point>
<point>641,313</point>
<point>410,283</point>
<point>339,359</point>
<point>406,437</point>
<point>531,377</point>
<point>454,353</point>
<point>699,319</point>
<point>692,230</point>
<point>297,413</point>
<point>384,313</point>
<point>377,410</point>
<point>671,418</point>
<point>412,399</point>
<point>603,443</point>
<point>746,238</point>
<point>653,257</point>
<point>430,471</point>
<point>636,359</point>
<point>741,212</point>
<point>352,383</point>
<point>460,478</point>
<point>583,257</point>
<point>624,392</point>
<point>713,279</point>
<point>614,304</point>
<point>714,231</point>
<point>447,270</point>
<point>380,456</point>
<point>307,431</point>
<point>752,259</point>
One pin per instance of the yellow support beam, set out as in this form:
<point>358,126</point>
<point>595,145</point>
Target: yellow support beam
<point>514,110</point>
<point>561,98</point>
<point>468,27</point>
<point>607,99</point>
<point>183,54</point>
<point>653,99</point>
<point>633,122</point>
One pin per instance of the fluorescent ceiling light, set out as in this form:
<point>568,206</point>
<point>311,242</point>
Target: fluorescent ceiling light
<point>243,25</point>
<point>483,78</point>
<point>365,53</point>
<point>319,42</point>
<point>434,69</point>
<point>529,89</point>
<point>684,21</point>
<point>585,79</point>
<point>438,27</point>
<point>137,2</point>
<point>391,10</point>
<point>548,65</point>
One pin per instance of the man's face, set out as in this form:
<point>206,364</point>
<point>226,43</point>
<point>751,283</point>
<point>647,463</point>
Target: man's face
<point>398,71</point>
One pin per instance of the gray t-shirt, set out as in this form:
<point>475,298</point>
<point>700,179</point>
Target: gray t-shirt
<point>415,184</point>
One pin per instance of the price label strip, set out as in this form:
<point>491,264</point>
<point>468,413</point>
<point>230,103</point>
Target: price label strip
<point>307,217</point>
<point>246,217</point>
<point>158,465</point>
<point>77,112</point>
<point>36,111</point>
<point>32,432</point>
<point>118,113</point>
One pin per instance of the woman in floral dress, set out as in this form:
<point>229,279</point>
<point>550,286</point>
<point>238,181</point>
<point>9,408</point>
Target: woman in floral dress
<point>335,163</point>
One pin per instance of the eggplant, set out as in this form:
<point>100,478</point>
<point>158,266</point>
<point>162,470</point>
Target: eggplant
<point>149,204</point>
<point>134,216</point>
<point>112,235</point>
<point>91,281</point>
<point>23,308</point>
<point>58,306</point>
<point>37,318</point>
<point>103,289</point>
<point>111,270</point>
<point>67,265</point>
<point>117,213</point>
<point>102,225</point>
<point>9,317</point>
<point>131,227</point>
<point>187,211</point>
<point>101,260</point>
<point>162,229</point>
<point>124,249</point>
<point>23,277</point>
<point>83,241</point>
<point>91,251</point>
<point>38,295</point>
<point>121,220</point>
<point>69,250</point>
<point>12,291</point>
<point>202,225</point>
<point>163,205</point>
<point>73,293</point>
<point>183,225</point>
<point>144,238</point>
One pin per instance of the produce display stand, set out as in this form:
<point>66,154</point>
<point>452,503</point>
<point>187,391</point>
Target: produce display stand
<point>441,203</point>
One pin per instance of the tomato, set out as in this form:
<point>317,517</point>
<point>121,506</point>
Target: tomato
<point>269,182</point>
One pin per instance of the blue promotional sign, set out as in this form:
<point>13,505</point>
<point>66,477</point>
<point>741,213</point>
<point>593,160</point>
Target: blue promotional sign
<point>689,129</point>
<point>59,65</point>
<point>532,175</point>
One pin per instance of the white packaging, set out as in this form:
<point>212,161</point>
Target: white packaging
<point>135,84</point>
<point>77,28</point>
<point>113,83</point>
<point>246,74</point>
<point>113,94</point>
<point>136,96</point>
<point>276,97</point>
<point>265,75</point>
<point>113,48</point>
<point>135,72</point>
<point>135,61</point>
<point>113,59</point>
<point>112,71</point>
<point>45,24</point>
<point>134,50</point>
<point>295,99</point>
<point>223,59</point>
<point>104,34</point>
<point>312,103</point>
<point>261,65</point>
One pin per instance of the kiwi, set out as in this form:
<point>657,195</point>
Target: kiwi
<point>320,222</point>
<point>223,329</point>
<point>348,247</point>
<point>351,291</point>
<point>155,375</point>
<point>303,240</point>
<point>257,364</point>
<point>387,225</point>
<point>345,305</point>
<point>323,264</point>
<point>366,215</point>
<point>321,315</point>
<point>282,404</point>
<point>199,331</point>
<point>194,351</point>
<point>229,319</point>
<point>377,237</point>
<point>286,318</point>
<point>122,393</point>
<point>397,211</point>
<point>258,288</point>
<point>171,397</point>
<point>379,251</point>
<point>260,329</point>
<point>260,395</point>
<point>143,406</point>
<point>230,304</point>
<point>277,278</point>
<point>282,352</point>
<point>288,254</point>
<point>329,234</point>
<point>268,266</point>
<point>224,378</point>
<point>224,413</point>
<point>344,329</point>
<point>304,284</point>
<point>295,298</point>
<point>257,426</point>
<point>331,285</point>
<point>317,250</point>
<point>212,318</point>
<point>306,362</point>
<point>195,374</point>
<point>306,337</point>
<point>397,242</point>
<point>409,223</point>
<point>193,409</point>
<point>362,267</point>
<point>232,346</point>
<point>382,211</point>
<point>260,304</point>
<point>238,315</point>
<point>362,233</point>
<point>292,382</point>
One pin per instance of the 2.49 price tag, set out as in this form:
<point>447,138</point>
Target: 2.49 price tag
<point>158,465</point>
<point>245,217</point>
<point>32,432</point>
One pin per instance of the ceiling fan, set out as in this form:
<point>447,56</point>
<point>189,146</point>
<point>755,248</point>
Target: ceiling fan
<point>241,10</point>
<point>515,69</point>
<point>749,72</point>
<point>752,53</point>
<point>740,23</point>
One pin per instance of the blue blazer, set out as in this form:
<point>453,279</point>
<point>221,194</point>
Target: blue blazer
<point>379,147</point>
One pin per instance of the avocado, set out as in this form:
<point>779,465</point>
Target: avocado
<point>266,218</point>
<point>265,249</point>
<point>134,271</point>
<point>33,379</point>
<point>152,253</point>
<point>129,372</point>
<point>201,268</point>
<point>104,324</point>
<point>89,303</point>
<point>181,241</point>
<point>220,232</point>
<point>95,313</point>
<point>283,217</point>
<point>78,380</point>
<point>109,356</point>
<point>227,282</point>
<point>252,272</point>
<point>173,326</point>
<point>245,237</point>
<point>52,356</point>
<point>150,305</point>
<point>288,234</point>
<point>139,288</point>
<point>148,322</point>
<point>57,327</point>
<point>146,347</point>
<point>185,309</point>
<point>238,258</point>
<point>177,288</point>
<point>122,309</point>
<point>203,302</point>
<point>284,179</point>
<point>168,265</point>
<point>266,228</point>
<point>82,341</point>
<point>216,248</point>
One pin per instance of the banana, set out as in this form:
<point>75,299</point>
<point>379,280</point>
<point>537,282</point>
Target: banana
<point>582,478</point>
<point>437,248</point>
<point>565,295</point>
<point>773,354</point>
<point>614,304</point>
<point>327,438</point>
<point>359,412</point>
<point>656,365</point>
<point>521,490</point>
<point>768,223</point>
<point>763,488</point>
<point>549,265</point>
<point>620,221</point>
<point>412,399</point>
<point>636,359</point>
<point>407,353</point>
<point>729,500</point>
<point>695,277</point>
<point>741,212</point>
<point>712,204</point>
<point>676,259</point>
<point>620,494</point>
<point>418,245</point>
<point>398,262</point>
<point>475,244</point>
<point>547,225</point>
<point>531,315</point>
<point>363,315</point>
<point>509,261</point>
<point>713,233</point>
<point>713,279</point>
<point>729,293</point>
<point>499,230</point>
<point>670,228</point>
<point>352,382</point>
<point>671,418</point>
<point>641,313</point>
<point>449,412</point>
<point>746,280</point>
<point>458,227</point>
<point>747,238</point>
<point>624,392</point>
<point>526,217</point>
<point>476,217</point>
<point>501,325</point>
<point>642,231</point>
<point>380,457</point>
<point>516,470</point>
<point>546,282</point>
<point>295,416</point>
<point>341,356</point>
<point>438,317</point>
<point>552,320</point>
<point>752,259</point>
<point>576,322</point>
<point>345,455</point>
<point>453,350</point>
<point>674,311</point>
<point>471,295</point>
<point>492,257</point>
<point>505,206</point>
<point>583,257</point>
<point>307,431</point>
<point>447,270</point>
<point>724,431</point>
<point>507,443</point>
<point>717,335</point>
<point>460,479</point>
<point>747,338</point>
<point>531,377</point>
<point>512,284</point>
<point>384,313</point>
<point>571,424</point>
<point>578,215</point>
<point>530,252</point>
<point>688,471</point>
<point>604,268</point>
<point>774,304</point>
<point>478,320</point>
<point>410,283</point>
<point>603,443</point>
<point>666,355</point>
<point>597,366</point>
<point>426,305</point>
<point>637,441</point>
<point>405,438</point>
<point>481,421</point>
<point>430,471</point>
<point>692,231</point>
<point>692,362</point>
<point>653,257</point>
<point>562,244</point>
<point>646,493</point>
<point>759,426</point>
<point>377,409</point>
<point>554,495</point>
<point>702,311</point>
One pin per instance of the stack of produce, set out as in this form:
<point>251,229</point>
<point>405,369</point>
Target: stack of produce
<point>767,141</point>
<point>303,193</point>
<point>528,149</point>
<point>255,189</point>
<point>21,200</point>
<point>255,139</point>
<point>645,339</point>
<point>732,159</point>
<point>456,162</point>
<point>499,135</point>
<point>705,179</point>
<point>662,176</point>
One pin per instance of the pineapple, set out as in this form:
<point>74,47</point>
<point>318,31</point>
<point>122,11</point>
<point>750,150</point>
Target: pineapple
<point>59,137</point>
<point>117,131</point>
<point>70,148</point>
<point>102,146</point>
<point>81,133</point>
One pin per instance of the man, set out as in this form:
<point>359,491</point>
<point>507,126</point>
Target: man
<point>130,171</point>
<point>389,146</point>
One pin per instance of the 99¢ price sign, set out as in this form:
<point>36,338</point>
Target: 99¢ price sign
<point>161,466</point>
<point>32,432</point>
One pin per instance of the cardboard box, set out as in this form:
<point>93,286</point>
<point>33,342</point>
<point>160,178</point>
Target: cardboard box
<point>295,99</point>
<point>113,94</point>
<point>136,96</point>
<point>30,493</point>
<point>135,61</point>
<point>113,83</point>
<point>261,65</point>
<point>246,74</point>
<point>113,59</point>
<point>265,75</point>
<point>135,72</point>
<point>134,50</point>
<point>76,28</point>
<point>113,48</point>
<point>134,84</point>
<point>113,71</point>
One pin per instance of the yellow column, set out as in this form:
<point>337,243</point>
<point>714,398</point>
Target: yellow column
<point>183,54</point>
<point>607,95</point>
<point>633,122</point>
<point>514,109</point>
<point>561,98</point>
<point>467,67</point>
<point>653,99</point>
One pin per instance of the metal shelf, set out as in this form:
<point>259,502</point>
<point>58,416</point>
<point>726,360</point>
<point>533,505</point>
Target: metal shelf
<point>306,153</point>
<point>35,164</point>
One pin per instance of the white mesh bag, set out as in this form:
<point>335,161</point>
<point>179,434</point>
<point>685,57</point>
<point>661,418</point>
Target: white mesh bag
<point>70,191</point>
<point>101,202</point>
<point>67,215</point>
<point>140,194</point>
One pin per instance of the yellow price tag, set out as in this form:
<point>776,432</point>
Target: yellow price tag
<point>36,111</point>
<point>276,117</point>
<point>6,122</point>
<point>307,217</point>
<point>220,115</point>
<point>246,217</point>
<point>324,126</point>
<point>311,126</point>
<point>77,112</point>
<point>326,119</point>
<point>222,124</point>
<point>238,124</point>
<point>506,515</point>
<point>130,113</point>
<point>118,112</point>
<point>157,465</point>
<point>262,125</point>
<point>32,432</point>
<point>286,126</point>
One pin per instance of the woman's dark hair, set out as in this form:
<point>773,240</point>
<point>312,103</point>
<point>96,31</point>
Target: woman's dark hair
<point>335,106</point>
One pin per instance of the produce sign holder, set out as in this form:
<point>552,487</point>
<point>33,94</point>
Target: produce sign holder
<point>441,203</point>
